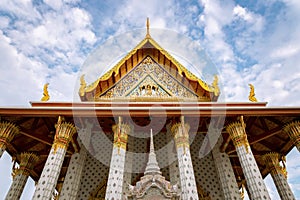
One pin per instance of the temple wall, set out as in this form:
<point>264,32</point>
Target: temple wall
<point>93,175</point>
<point>95,172</point>
<point>205,170</point>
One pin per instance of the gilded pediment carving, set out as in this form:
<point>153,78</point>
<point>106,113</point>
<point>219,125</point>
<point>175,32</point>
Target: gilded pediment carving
<point>148,79</point>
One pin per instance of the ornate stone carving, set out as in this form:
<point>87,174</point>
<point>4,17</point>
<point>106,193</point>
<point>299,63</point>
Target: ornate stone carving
<point>120,135</point>
<point>64,133</point>
<point>272,161</point>
<point>7,133</point>
<point>153,185</point>
<point>237,133</point>
<point>28,160</point>
<point>293,130</point>
<point>148,79</point>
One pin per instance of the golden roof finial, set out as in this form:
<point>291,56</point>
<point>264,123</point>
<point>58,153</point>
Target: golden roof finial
<point>46,96</point>
<point>148,28</point>
<point>252,97</point>
<point>215,85</point>
<point>82,86</point>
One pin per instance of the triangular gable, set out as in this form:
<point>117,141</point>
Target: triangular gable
<point>148,47</point>
<point>148,79</point>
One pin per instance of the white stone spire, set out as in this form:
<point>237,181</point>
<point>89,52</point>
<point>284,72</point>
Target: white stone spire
<point>152,167</point>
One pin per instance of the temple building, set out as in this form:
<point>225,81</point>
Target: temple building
<point>149,129</point>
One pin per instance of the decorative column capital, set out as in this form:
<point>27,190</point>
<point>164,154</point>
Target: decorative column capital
<point>237,133</point>
<point>64,133</point>
<point>7,132</point>
<point>272,161</point>
<point>293,130</point>
<point>121,131</point>
<point>180,132</point>
<point>28,161</point>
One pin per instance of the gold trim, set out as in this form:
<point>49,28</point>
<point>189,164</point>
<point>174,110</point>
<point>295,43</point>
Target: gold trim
<point>181,69</point>
<point>293,130</point>
<point>238,135</point>
<point>63,135</point>
<point>272,161</point>
<point>181,136</point>
<point>120,135</point>
<point>7,133</point>
<point>28,161</point>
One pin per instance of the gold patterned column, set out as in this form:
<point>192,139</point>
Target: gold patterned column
<point>116,171</point>
<point>279,175</point>
<point>255,182</point>
<point>293,130</point>
<point>20,175</point>
<point>7,133</point>
<point>180,132</point>
<point>47,182</point>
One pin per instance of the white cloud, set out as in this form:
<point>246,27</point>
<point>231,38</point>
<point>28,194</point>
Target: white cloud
<point>55,4</point>
<point>4,22</point>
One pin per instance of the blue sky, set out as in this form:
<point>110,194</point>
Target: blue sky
<point>249,42</point>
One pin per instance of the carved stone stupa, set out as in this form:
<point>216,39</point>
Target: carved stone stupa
<point>153,185</point>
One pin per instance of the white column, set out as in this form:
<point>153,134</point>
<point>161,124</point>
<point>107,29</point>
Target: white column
<point>48,180</point>
<point>20,175</point>
<point>186,170</point>
<point>255,182</point>
<point>225,173</point>
<point>293,130</point>
<point>7,133</point>
<point>116,171</point>
<point>128,165</point>
<point>279,175</point>
<point>71,183</point>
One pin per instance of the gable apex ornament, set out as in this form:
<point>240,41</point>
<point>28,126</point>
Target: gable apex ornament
<point>148,28</point>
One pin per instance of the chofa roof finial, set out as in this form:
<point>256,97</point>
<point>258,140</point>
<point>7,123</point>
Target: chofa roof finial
<point>148,28</point>
<point>46,95</point>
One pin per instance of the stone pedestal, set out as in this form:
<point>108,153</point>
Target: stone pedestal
<point>116,171</point>
<point>20,176</point>
<point>186,170</point>
<point>7,133</point>
<point>279,175</point>
<point>255,182</point>
<point>48,179</point>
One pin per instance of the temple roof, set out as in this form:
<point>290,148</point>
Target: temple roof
<point>147,47</point>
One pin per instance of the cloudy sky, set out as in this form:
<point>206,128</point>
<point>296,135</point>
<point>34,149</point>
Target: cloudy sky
<point>248,41</point>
